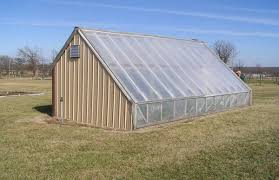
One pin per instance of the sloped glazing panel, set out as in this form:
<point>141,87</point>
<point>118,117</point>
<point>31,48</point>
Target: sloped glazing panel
<point>155,69</point>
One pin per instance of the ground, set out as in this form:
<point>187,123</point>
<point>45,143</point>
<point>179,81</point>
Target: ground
<point>241,143</point>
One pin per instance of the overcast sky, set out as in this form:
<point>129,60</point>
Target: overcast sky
<point>252,25</point>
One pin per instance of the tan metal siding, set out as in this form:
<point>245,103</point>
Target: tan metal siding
<point>95,91</point>
<point>90,94</point>
<point>90,87</point>
<point>70,82</point>
<point>110,103</point>
<point>75,84</point>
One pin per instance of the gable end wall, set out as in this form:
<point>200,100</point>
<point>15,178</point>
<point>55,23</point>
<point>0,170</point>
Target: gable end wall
<point>90,95</point>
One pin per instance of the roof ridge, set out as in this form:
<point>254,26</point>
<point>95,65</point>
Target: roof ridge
<point>139,34</point>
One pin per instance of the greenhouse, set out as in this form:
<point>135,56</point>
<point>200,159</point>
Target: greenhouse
<point>166,79</point>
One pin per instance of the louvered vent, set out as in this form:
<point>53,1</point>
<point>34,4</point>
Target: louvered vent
<point>74,51</point>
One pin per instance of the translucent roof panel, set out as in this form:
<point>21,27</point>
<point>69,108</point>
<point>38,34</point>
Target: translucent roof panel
<point>152,68</point>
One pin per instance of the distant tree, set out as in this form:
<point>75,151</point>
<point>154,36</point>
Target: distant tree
<point>225,50</point>
<point>239,65</point>
<point>31,56</point>
<point>260,72</point>
<point>54,53</point>
<point>19,65</point>
<point>5,64</point>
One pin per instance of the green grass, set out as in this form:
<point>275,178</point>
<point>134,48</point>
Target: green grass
<point>242,143</point>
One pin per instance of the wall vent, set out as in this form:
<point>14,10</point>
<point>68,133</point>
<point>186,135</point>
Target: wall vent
<point>74,51</point>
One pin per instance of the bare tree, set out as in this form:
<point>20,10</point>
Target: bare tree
<point>54,53</point>
<point>260,72</point>
<point>19,65</point>
<point>5,64</point>
<point>239,65</point>
<point>225,50</point>
<point>31,56</point>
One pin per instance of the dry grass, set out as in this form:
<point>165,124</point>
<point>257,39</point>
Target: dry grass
<point>242,143</point>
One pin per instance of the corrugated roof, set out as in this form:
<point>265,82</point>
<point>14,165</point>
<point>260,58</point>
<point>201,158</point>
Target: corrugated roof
<point>153,68</point>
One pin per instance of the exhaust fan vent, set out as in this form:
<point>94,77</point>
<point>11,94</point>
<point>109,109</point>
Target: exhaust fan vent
<point>74,51</point>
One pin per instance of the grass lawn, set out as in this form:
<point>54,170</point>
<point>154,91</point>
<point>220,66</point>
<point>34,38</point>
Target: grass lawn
<point>241,143</point>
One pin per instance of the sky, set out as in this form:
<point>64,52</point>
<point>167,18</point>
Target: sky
<point>251,25</point>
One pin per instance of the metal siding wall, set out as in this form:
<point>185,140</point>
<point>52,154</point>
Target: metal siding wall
<point>90,94</point>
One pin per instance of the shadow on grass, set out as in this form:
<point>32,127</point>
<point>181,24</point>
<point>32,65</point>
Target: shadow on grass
<point>46,109</point>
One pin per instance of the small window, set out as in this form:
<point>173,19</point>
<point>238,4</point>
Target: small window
<point>74,51</point>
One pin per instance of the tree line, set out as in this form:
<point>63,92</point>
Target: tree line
<point>27,62</point>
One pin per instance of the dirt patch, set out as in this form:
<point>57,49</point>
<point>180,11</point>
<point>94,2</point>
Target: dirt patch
<point>41,119</point>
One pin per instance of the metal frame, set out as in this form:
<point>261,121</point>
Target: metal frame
<point>188,116</point>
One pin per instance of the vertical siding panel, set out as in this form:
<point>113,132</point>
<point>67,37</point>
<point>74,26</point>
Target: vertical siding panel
<point>58,89</point>
<point>129,117</point>
<point>119,109</point>
<point>122,117</point>
<point>103,90</point>
<point>125,115</point>
<point>90,87</point>
<point>95,108</point>
<point>88,100</point>
<point>77,62</point>
<point>100,99</point>
<point>110,103</point>
<point>105,101</point>
<point>80,82</point>
<point>84,96</point>
<point>98,96</point>
<point>75,85</point>
<point>93,89</point>
<point>113,108</point>
<point>70,81</point>
<point>116,109</point>
<point>67,96</point>
<point>63,86</point>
